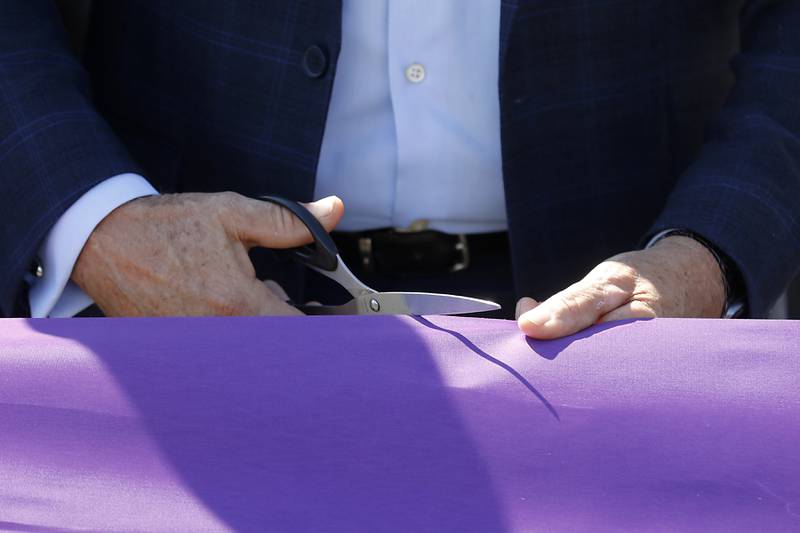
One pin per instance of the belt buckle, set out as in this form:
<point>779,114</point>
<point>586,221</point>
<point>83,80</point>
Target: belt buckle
<point>461,246</point>
<point>365,247</point>
<point>365,252</point>
<point>365,243</point>
<point>416,226</point>
<point>463,249</point>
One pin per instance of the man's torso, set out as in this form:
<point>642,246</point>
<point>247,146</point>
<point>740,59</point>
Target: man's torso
<point>601,107</point>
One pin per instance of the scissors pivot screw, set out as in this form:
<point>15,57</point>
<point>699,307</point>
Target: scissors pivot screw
<point>374,305</point>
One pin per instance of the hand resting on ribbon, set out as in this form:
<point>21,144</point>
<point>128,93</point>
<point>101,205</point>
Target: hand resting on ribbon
<point>677,278</point>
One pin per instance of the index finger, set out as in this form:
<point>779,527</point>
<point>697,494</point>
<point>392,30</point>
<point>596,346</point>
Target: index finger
<point>575,308</point>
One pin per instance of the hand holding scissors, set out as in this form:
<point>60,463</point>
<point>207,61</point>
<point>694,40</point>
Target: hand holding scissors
<point>324,257</point>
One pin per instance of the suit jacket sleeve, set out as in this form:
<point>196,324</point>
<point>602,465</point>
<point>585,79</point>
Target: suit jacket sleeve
<point>743,191</point>
<point>54,146</point>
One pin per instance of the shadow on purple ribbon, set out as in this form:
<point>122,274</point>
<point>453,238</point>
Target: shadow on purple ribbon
<point>495,361</point>
<point>551,349</point>
<point>285,424</point>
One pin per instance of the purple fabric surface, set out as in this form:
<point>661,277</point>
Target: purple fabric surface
<point>397,423</point>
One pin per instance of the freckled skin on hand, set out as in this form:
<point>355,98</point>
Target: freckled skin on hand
<point>187,254</point>
<point>678,277</point>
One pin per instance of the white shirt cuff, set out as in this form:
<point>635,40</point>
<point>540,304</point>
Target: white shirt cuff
<point>53,294</point>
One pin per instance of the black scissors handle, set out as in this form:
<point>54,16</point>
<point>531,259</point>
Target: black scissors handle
<point>324,252</point>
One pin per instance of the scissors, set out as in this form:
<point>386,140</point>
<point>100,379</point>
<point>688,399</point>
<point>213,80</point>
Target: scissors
<point>324,258</point>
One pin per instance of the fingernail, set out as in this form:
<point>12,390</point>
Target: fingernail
<point>524,305</point>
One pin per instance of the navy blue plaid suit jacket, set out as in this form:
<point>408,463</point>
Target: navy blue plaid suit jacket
<point>619,118</point>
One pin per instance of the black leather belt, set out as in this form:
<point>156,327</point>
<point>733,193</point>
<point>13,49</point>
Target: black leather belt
<point>414,253</point>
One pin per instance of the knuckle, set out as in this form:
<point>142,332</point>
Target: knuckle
<point>229,197</point>
<point>622,277</point>
<point>229,202</point>
<point>582,301</point>
<point>282,220</point>
<point>226,206</point>
<point>645,309</point>
<point>568,304</point>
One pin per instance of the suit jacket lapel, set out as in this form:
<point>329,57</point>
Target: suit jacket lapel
<point>508,9</point>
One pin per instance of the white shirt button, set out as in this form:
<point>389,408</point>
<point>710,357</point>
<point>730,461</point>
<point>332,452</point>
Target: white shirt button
<point>415,73</point>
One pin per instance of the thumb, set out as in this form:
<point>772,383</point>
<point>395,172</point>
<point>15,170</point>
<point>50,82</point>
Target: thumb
<point>271,226</point>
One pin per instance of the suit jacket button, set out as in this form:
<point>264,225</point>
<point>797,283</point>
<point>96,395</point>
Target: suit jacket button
<point>314,61</point>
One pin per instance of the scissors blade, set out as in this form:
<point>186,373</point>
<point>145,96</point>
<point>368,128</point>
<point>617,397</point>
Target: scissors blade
<point>420,303</point>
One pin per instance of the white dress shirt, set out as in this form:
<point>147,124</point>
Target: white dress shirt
<point>413,129</point>
<point>412,133</point>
